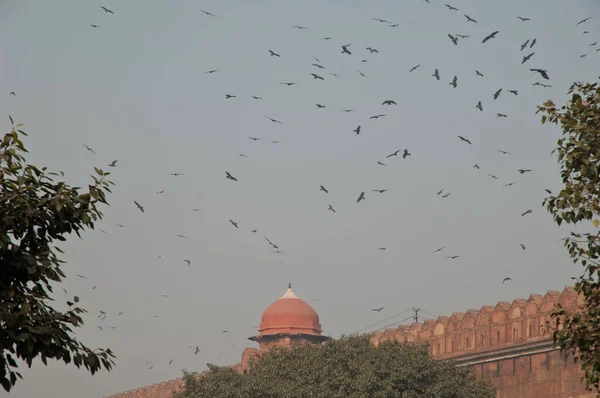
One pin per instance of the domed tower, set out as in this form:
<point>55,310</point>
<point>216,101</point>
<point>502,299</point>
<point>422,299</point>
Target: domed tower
<point>288,322</point>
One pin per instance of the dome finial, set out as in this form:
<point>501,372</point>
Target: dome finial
<point>290,285</point>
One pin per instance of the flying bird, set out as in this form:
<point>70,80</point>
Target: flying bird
<point>89,149</point>
<point>414,68</point>
<point>271,243</point>
<point>318,66</point>
<point>524,19</point>
<point>229,176</point>
<point>233,223</point>
<point>381,20</point>
<point>389,102</point>
<point>379,163</point>
<point>315,76</point>
<point>241,155</point>
<point>493,176</point>
<point>228,96</point>
<point>523,246</point>
<point>288,83</point>
<point>175,174</point>
<point>501,115</point>
<point>188,262</point>
<point>503,152</point>
<point>446,195</point>
<point>12,93</point>
<point>357,130</point>
<point>320,106</point>
<point>514,92</point>
<point>376,116</point>
<point>454,82</point>
<point>331,208</point>
<point>542,72</point>
<point>273,120</point>
<point>476,166</point>
<point>210,72</point>
<point>393,154</point>
<point>451,8</point>
<point>452,257</point>
<point>377,309</point>
<point>440,192</point>
<point>469,19</point>
<point>300,27</point>
<point>523,171</point>
<point>347,110</point>
<point>380,190</point>
<point>541,84</point>
<point>479,106</point>
<point>345,49</point>
<point>436,74</point>
<point>254,138</point>
<point>113,163</point>
<point>181,236</point>
<point>454,39</point>
<point>254,231</point>
<point>509,184</point>
<point>497,94</point>
<point>208,13</point>
<point>361,197</point>
<point>322,188</point>
<point>256,98</point>
<point>529,211</point>
<point>94,26</point>
<point>139,206</point>
<point>478,73</point>
<point>405,154</point>
<point>524,45</point>
<point>584,20</point>
<point>490,36</point>
<point>526,58</point>
<point>274,54</point>
<point>107,10</point>
<point>438,250</point>
<point>533,43</point>
<point>372,50</point>
<point>464,139</point>
<point>506,280</point>
<point>462,36</point>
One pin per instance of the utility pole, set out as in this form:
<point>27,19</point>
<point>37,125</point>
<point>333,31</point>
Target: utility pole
<point>416,310</point>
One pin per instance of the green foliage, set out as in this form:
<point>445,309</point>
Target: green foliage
<point>36,211</point>
<point>350,367</point>
<point>577,203</point>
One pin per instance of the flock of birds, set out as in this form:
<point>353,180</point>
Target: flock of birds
<point>319,75</point>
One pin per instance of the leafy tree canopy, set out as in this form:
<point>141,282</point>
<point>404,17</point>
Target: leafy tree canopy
<point>577,203</point>
<point>35,212</point>
<point>351,367</point>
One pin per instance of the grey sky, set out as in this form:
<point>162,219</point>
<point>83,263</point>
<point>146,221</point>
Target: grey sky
<point>134,90</point>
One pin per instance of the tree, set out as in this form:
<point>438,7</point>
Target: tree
<point>577,203</point>
<point>35,212</point>
<point>351,367</point>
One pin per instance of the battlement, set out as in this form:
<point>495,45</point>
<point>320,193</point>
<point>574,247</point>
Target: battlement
<point>488,328</point>
<point>163,389</point>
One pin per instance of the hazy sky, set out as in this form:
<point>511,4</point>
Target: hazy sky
<point>134,90</point>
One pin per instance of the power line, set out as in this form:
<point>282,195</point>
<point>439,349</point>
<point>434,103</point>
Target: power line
<point>395,323</point>
<point>429,313</point>
<point>386,319</point>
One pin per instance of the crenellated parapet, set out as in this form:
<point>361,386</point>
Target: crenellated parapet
<point>163,389</point>
<point>488,328</point>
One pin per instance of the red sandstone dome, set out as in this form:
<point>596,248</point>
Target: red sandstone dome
<point>289,315</point>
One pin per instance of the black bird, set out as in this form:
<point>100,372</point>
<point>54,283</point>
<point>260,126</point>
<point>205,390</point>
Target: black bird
<point>493,176</point>
<point>490,36</point>
<point>188,262</point>
<point>379,163</point>
<point>372,50</point>
<point>288,83</point>
<point>476,166</point>
<point>95,26</point>
<point>509,184</point>
<point>524,45</point>
<point>254,138</point>
<point>414,68</point>
<point>533,43</point>
<point>526,58</point>
<point>462,36</point>
<point>446,195</point>
<point>541,84</point>
<point>524,19</point>
<point>229,176</point>
<point>234,223</point>
<point>515,92</point>
<point>357,130</point>
<point>479,106</point>
<point>503,152</point>
<point>454,82</point>
<point>440,192</point>
<point>377,309</point>
<point>170,362</point>
<point>113,163</point>
<point>107,10</point>
<point>464,139</point>
<point>362,74</point>
<point>139,206</point>
<point>523,171</point>
<point>394,25</point>
<point>506,279</point>
<point>89,149</point>
<point>478,73</point>
<point>361,197</point>
<point>452,257</point>
<point>381,20</point>
<point>548,191</point>
<point>211,71</point>
<point>380,190</point>
<point>322,188</point>
<point>274,54</point>
<point>529,211</point>
<point>208,13</point>
<point>272,244</point>
<point>300,27</point>
<point>469,19</point>
<point>315,76</point>
<point>393,154</point>
<point>584,20</point>
<point>181,236</point>
<point>501,115</point>
<point>376,116</point>
<point>347,110</point>
<point>497,94</point>
<point>336,75</point>
<point>256,98</point>
<point>227,96</point>
<point>438,250</point>
<point>542,72</point>
<point>345,49</point>
<point>318,66</point>
<point>331,208</point>
<point>451,8</point>
<point>389,102</point>
<point>273,120</point>
<point>405,154</point>
<point>12,93</point>
<point>175,174</point>
<point>436,74</point>
<point>242,155</point>
<point>320,106</point>
<point>454,39</point>
<point>254,231</point>
<point>583,56</point>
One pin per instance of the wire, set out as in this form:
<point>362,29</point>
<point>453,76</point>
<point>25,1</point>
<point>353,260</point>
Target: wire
<point>427,312</point>
<point>395,323</point>
<point>388,318</point>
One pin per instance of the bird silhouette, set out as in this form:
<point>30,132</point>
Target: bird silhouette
<point>181,236</point>
<point>362,74</point>
<point>454,82</point>
<point>451,8</point>
<point>139,206</point>
<point>503,152</point>
<point>523,171</point>
<point>317,77</point>
<point>210,72</point>
<point>501,115</point>
<point>405,154</point>
<point>584,20</point>
<point>274,54</point>
<point>479,106</point>
<point>440,192</point>
<point>524,45</point>
<point>254,138</point>
<point>506,279</point>
<point>469,19</point>
<point>524,19</point>
<point>331,208</point>
<point>229,176</point>
<point>241,155</point>
<point>493,176</point>
<point>12,93</point>
<point>273,120</point>
<point>175,174</point>
<point>372,50</point>
<point>233,223</point>
<point>476,166</point>
<point>523,246</point>
<point>414,68</point>
<point>542,72</point>
<point>533,42</point>
<point>271,243</point>
<point>300,27</point>
<point>378,309</point>
<point>490,36</point>
<point>208,13</point>
<point>381,20</point>
<point>438,250</point>
<point>256,98</point>
<point>228,96</point>
<point>529,211</point>
<point>446,195</point>
<point>357,130</point>
<point>254,231</point>
<point>379,163</point>
<point>452,257</point>
<point>361,197</point>
<point>436,74</point>
<point>89,149</point>
<point>527,58</point>
<point>288,83</point>
<point>107,10</point>
<point>454,39</point>
<point>478,73</point>
<point>318,66</point>
<point>320,106</point>
<point>380,190</point>
<point>376,116</point>
<point>540,84</point>
<point>464,139</point>
<point>95,26</point>
<point>389,102</point>
<point>497,94</point>
<point>514,92</point>
<point>345,50</point>
<point>113,163</point>
<point>509,184</point>
<point>188,262</point>
<point>393,154</point>
<point>322,188</point>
